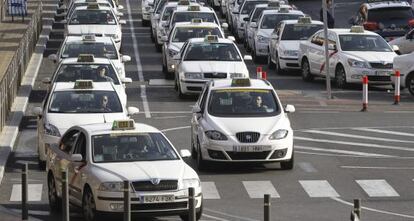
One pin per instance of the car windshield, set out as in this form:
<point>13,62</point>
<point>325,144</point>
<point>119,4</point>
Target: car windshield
<point>84,101</point>
<point>188,16</point>
<point>167,13</point>
<point>299,31</point>
<point>271,20</point>
<point>94,72</point>
<point>249,6</point>
<point>257,13</point>
<point>98,49</point>
<point>183,34</point>
<point>131,147</point>
<point>363,43</point>
<point>212,52</point>
<point>95,17</point>
<point>243,102</point>
<point>390,14</point>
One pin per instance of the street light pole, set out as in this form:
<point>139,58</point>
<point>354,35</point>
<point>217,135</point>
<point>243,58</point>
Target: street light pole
<point>325,30</point>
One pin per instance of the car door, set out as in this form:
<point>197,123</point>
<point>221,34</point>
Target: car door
<point>332,39</point>
<point>41,122</point>
<point>407,43</point>
<point>196,129</point>
<point>76,170</point>
<point>274,41</point>
<point>315,52</point>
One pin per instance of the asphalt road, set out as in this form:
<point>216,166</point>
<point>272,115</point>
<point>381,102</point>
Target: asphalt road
<point>341,153</point>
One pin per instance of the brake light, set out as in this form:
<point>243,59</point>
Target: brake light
<point>411,22</point>
<point>371,26</point>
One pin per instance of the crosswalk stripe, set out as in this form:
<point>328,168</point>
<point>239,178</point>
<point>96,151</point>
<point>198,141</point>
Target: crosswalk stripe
<point>318,188</point>
<point>257,189</point>
<point>356,136</point>
<point>385,132</point>
<point>209,190</point>
<point>349,152</point>
<point>34,190</point>
<point>377,188</point>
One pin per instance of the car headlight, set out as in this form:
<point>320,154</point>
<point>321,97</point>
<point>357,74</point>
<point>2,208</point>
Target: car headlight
<point>357,64</point>
<point>236,75</point>
<point>194,182</point>
<point>279,134</point>
<point>172,52</point>
<point>292,53</point>
<point>262,39</point>
<point>51,129</point>
<point>111,187</point>
<point>215,135</point>
<point>192,75</point>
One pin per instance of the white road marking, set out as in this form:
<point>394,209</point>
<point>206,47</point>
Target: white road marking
<point>349,152</point>
<point>230,215</point>
<point>353,156</point>
<point>318,188</point>
<point>257,189</point>
<point>377,188</point>
<point>175,128</point>
<point>374,210</point>
<point>170,117</point>
<point>378,168</point>
<point>307,167</point>
<point>356,136</point>
<point>138,63</point>
<point>386,132</point>
<point>215,218</point>
<point>34,190</point>
<point>355,144</point>
<point>210,190</point>
<point>158,82</point>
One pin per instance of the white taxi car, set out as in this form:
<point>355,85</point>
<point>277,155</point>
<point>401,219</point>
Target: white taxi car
<point>404,64</point>
<point>181,32</point>
<point>241,120</point>
<point>100,157</point>
<point>73,103</point>
<point>99,47</point>
<point>106,3</point>
<point>162,20</point>
<point>243,12</point>
<point>353,53</point>
<point>86,67</point>
<point>204,59</point>
<point>95,20</point>
<point>405,43</point>
<point>146,7</point>
<point>284,42</point>
<point>265,25</point>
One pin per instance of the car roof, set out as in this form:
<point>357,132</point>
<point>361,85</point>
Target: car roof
<point>97,86</point>
<point>387,4</point>
<point>293,21</point>
<point>275,11</point>
<point>185,9</point>
<point>191,24</point>
<point>79,39</point>
<point>100,8</point>
<point>254,83</point>
<point>341,31</point>
<point>96,61</point>
<point>201,40</point>
<point>106,128</point>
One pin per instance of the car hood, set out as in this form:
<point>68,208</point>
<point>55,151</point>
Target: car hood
<point>215,66</point>
<point>176,46</point>
<point>370,56</point>
<point>289,45</point>
<point>92,29</point>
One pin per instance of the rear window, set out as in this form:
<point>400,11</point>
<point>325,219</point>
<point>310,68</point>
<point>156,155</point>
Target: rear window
<point>390,14</point>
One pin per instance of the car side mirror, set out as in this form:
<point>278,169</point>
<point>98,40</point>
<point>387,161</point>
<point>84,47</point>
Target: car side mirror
<point>235,10</point>
<point>332,47</point>
<point>46,80</point>
<point>196,109</point>
<point>156,17</point>
<point>231,38</point>
<point>120,7</point>
<point>53,57</point>
<point>125,58</point>
<point>184,153</point>
<point>122,22</point>
<point>396,49</point>
<point>119,14</point>
<point>62,14</point>
<point>225,26</point>
<point>64,21</point>
<point>247,58</point>
<point>290,108</point>
<point>253,25</point>
<point>275,37</point>
<point>63,7</point>
<point>165,25</point>
<point>37,111</point>
<point>164,38</point>
<point>76,157</point>
<point>132,111</point>
<point>177,57</point>
<point>126,80</point>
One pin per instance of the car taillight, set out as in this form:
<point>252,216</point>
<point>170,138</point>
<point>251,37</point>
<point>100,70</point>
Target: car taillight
<point>411,22</point>
<point>371,26</point>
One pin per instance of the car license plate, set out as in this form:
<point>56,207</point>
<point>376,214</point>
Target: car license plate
<point>248,148</point>
<point>384,73</point>
<point>158,198</point>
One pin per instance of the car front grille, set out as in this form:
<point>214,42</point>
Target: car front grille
<point>381,65</point>
<point>148,186</point>
<point>158,206</point>
<point>215,75</point>
<point>248,137</point>
<point>379,78</point>
<point>248,155</point>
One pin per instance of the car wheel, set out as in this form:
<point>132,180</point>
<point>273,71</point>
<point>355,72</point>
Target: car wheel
<point>145,23</point>
<point>158,47</point>
<point>270,63</point>
<point>279,70</point>
<point>340,77</point>
<point>55,203</point>
<point>41,164</point>
<point>152,36</point>
<point>193,149</point>
<point>306,74</point>
<point>89,206</point>
<point>288,165</point>
<point>410,83</point>
<point>198,215</point>
<point>201,163</point>
<point>180,92</point>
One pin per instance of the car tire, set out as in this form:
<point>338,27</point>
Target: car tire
<point>180,93</point>
<point>41,164</point>
<point>193,149</point>
<point>198,215</point>
<point>410,83</point>
<point>340,77</point>
<point>279,70</point>
<point>89,206</point>
<point>158,47</point>
<point>306,74</point>
<point>201,163</point>
<point>288,165</point>
<point>145,23</point>
<point>270,63</point>
<point>55,203</point>
<point>152,36</point>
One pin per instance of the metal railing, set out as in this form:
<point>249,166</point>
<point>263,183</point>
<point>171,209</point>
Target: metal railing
<point>11,81</point>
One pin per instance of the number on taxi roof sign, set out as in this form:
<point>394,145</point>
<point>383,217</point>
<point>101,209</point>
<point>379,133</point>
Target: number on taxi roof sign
<point>240,82</point>
<point>123,125</point>
<point>83,84</point>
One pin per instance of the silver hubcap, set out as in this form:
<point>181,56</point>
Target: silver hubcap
<point>305,69</point>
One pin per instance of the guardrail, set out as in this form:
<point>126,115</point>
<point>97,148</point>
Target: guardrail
<point>11,81</point>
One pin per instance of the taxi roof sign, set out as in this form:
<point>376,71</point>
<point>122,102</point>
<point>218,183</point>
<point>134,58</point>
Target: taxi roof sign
<point>83,84</point>
<point>194,8</point>
<point>211,38</point>
<point>196,20</point>
<point>89,1</point>
<point>88,37</point>
<point>183,2</point>
<point>240,82</point>
<point>275,4</point>
<point>357,29</point>
<point>305,20</point>
<point>93,5</point>
<point>123,125</point>
<point>284,9</point>
<point>86,58</point>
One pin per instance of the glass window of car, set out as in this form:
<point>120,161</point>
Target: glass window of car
<point>270,21</point>
<point>363,43</point>
<point>167,13</point>
<point>68,141</point>
<point>390,15</point>
<point>257,13</point>
<point>95,17</point>
<point>318,38</point>
<point>249,6</point>
<point>85,101</point>
<point>132,147</point>
<point>80,146</point>
<point>299,31</point>
<point>203,98</point>
<point>243,103</point>
<point>73,72</point>
<point>98,49</point>
<point>188,16</point>
<point>212,52</point>
<point>182,34</point>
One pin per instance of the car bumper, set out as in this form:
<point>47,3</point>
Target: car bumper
<point>192,86</point>
<point>375,76</point>
<point>262,49</point>
<point>289,63</point>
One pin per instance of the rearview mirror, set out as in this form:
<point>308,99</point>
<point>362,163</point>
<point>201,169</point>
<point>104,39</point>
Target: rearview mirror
<point>253,25</point>
<point>52,57</point>
<point>196,109</point>
<point>122,22</point>
<point>120,7</point>
<point>247,58</point>
<point>225,26</point>
<point>46,80</point>
<point>37,111</point>
<point>132,111</point>
<point>126,80</point>
<point>119,14</point>
<point>184,153</point>
<point>231,38</point>
<point>126,58</point>
<point>396,49</point>
<point>332,47</point>
<point>76,157</point>
<point>164,38</point>
<point>156,17</point>
<point>290,108</point>
<point>177,57</point>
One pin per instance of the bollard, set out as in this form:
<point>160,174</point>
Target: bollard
<point>191,204</point>
<point>65,196</point>
<point>127,201</point>
<point>357,208</point>
<point>264,75</point>
<point>397,87</point>
<point>259,72</point>
<point>25,213</point>
<point>267,207</point>
<point>364,93</point>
